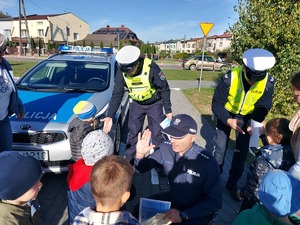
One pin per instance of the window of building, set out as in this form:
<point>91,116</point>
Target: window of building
<point>221,44</point>
<point>40,33</point>
<point>39,23</point>
<point>75,36</point>
<point>68,31</point>
<point>7,32</point>
<point>209,44</point>
<point>23,33</point>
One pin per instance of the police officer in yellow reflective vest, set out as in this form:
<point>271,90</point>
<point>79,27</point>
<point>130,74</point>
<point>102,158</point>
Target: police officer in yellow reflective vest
<point>150,94</point>
<point>244,93</point>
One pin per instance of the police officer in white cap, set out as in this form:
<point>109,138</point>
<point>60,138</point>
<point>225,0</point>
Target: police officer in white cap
<point>149,91</point>
<point>10,103</point>
<point>244,93</point>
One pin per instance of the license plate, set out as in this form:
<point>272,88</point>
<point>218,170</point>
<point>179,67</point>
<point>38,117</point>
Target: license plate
<point>40,155</point>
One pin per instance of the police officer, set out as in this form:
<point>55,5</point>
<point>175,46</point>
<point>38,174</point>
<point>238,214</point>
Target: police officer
<point>10,101</point>
<point>195,185</point>
<point>244,93</point>
<point>149,91</point>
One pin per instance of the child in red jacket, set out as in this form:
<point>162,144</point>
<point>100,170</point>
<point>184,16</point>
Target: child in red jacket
<point>95,146</point>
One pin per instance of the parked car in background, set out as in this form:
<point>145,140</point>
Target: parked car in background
<point>51,89</point>
<point>209,63</point>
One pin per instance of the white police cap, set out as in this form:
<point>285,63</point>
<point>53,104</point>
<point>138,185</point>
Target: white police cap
<point>128,55</point>
<point>258,59</point>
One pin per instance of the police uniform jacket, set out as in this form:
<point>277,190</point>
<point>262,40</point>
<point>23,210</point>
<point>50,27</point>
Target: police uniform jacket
<point>157,81</point>
<point>15,104</point>
<point>194,178</point>
<point>262,106</point>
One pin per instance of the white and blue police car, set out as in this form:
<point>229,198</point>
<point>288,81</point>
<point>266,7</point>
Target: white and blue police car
<point>51,89</point>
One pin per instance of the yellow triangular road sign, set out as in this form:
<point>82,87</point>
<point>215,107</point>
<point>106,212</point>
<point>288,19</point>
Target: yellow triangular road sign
<point>206,27</point>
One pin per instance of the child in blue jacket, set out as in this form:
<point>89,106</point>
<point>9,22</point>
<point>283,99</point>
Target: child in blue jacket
<point>275,154</point>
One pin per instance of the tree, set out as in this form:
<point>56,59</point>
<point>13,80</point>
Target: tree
<point>83,43</point>
<point>101,44</point>
<point>40,46</point>
<point>49,46</point>
<point>32,44</point>
<point>3,14</point>
<point>92,44</point>
<point>273,25</point>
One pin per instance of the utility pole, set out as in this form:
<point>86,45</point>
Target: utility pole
<point>20,40</point>
<point>27,30</point>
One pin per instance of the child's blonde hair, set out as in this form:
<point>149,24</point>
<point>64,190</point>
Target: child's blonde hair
<point>111,177</point>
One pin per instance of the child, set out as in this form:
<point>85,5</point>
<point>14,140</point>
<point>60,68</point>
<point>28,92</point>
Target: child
<point>111,179</point>
<point>95,146</point>
<point>80,126</point>
<point>19,185</point>
<point>279,193</point>
<point>276,155</point>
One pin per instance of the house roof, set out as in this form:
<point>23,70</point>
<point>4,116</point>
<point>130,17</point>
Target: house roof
<point>122,31</point>
<point>224,35</point>
<point>106,39</point>
<point>43,17</point>
<point>37,17</point>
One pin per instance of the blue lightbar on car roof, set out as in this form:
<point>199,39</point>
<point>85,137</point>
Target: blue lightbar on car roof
<point>78,49</point>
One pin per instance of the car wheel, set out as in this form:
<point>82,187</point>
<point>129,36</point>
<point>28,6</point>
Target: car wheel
<point>193,67</point>
<point>117,138</point>
<point>224,69</point>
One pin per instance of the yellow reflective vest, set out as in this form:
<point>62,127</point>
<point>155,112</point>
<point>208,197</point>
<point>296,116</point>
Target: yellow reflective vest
<point>139,86</point>
<point>240,102</point>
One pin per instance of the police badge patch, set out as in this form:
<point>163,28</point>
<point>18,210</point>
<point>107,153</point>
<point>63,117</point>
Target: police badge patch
<point>161,75</point>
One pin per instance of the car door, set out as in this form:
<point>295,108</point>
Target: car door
<point>208,63</point>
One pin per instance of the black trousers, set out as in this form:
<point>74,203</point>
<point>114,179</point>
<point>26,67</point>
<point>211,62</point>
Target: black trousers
<point>137,114</point>
<point>220,145</point>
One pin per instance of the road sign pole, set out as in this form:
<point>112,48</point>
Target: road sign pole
<point>200,78</point>
<point>205,27</point>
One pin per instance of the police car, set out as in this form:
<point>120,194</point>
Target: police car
<point>51,89</point>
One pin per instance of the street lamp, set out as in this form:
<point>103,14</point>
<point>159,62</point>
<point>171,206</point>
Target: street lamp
<point>183,48</point>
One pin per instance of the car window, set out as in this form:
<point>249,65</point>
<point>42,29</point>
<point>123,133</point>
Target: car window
<point>68,75</point>
<point>210,59</point>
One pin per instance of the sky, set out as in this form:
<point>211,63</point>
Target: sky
<point>152,21</point>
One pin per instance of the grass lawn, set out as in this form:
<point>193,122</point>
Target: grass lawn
<point>191,75</point>
<point>20,67</point>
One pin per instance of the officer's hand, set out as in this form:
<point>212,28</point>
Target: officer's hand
<point>107,124</point>
<point>173,215</point>
<point>169,116</point>
<point>143,144</point>
<point>233,123</point>
<point>249,130</point>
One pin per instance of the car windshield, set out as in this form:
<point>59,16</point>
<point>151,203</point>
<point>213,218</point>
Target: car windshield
<point>67,76</point>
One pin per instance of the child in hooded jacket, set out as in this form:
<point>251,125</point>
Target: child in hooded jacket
<point>275,154</point>
<point>80,126</point>
<point>20,183</point>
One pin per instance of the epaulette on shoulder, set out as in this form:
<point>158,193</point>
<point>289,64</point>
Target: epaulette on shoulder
<point>272,79</point>
<point>200,152</point>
